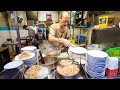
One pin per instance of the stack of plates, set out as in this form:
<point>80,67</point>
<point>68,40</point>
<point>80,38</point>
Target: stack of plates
<point>96,63</point>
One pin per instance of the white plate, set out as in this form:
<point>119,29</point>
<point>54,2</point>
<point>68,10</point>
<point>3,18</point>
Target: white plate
<point>17,57</point>
<point>77,50</point>
<point>13,64</point>
<point>97,53</point>
<point>28,48</point>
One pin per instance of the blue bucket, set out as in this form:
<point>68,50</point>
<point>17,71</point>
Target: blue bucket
<point>82,38</point>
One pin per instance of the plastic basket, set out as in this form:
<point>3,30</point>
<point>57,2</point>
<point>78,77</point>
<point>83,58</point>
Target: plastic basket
<point>114,52</point>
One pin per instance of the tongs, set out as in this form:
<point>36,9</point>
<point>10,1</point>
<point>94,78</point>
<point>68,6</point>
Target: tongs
<point>61,47</point>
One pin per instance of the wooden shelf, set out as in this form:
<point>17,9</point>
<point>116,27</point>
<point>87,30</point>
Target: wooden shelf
<point>80,45</point>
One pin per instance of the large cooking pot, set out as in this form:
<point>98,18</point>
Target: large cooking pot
<point>41,74</point>
<point>73,76</point>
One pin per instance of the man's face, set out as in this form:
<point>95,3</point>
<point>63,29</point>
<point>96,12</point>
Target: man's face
<point>64,21</point>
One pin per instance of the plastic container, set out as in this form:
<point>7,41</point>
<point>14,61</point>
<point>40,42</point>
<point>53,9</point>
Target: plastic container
<point>112,63</point>
<point>112,72</point>
<point>114,52</point>
<point>106,21</point>
<point>82,38</point>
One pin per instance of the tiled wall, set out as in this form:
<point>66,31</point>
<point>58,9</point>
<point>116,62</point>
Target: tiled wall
<point>10,32</point>
<point>4,34</point>
<point>42,15</point>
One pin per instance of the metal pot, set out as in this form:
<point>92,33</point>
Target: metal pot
<point>74,76</point>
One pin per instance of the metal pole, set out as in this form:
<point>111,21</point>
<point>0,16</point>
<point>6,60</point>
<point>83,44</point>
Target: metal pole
<point>82,15</point>
<point>17,30</point>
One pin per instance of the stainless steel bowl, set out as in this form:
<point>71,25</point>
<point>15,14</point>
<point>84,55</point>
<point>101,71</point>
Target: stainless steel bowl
<point>74,76</point>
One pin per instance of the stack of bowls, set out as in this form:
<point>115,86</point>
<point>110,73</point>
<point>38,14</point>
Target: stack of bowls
<point>31,49</point>
<point>75,52</point>
<point>96,63</point>
<point>29,61</point>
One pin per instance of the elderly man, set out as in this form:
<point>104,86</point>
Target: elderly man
<point>31,33</point>
<point>59,33</point>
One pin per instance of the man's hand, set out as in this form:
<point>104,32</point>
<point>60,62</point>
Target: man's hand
<point>66,42</point>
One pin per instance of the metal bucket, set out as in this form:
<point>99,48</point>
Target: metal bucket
<point>74,76</point>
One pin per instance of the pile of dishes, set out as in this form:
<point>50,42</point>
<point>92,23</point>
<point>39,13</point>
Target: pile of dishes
<point>96,63</point>
<point>75,52</point>
<point>31,49</point>
<point>68,69</point>
<point>27,58</point>
<point>36,72</point>
<point>94,47</point>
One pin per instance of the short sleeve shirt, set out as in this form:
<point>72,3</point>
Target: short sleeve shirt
<point>31,31</point>
<point>54,30</point>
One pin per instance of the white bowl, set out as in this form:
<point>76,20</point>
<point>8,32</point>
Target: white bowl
<point>28,61</point>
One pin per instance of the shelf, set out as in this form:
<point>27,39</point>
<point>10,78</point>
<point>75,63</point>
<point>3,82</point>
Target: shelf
<point>80,45</point>
<point>80,27</point>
